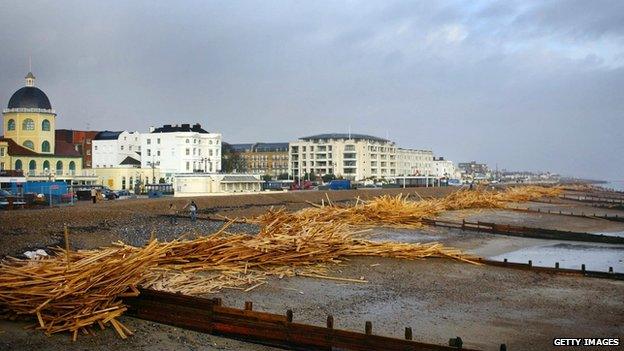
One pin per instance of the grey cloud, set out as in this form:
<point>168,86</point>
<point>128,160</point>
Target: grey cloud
<point>522,85</point>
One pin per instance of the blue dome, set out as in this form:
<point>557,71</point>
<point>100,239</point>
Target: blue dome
<point>30,97</point>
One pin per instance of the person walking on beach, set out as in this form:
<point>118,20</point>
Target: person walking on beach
<point>93,195</point>
<point>173,214</point>
<point>193,209</point>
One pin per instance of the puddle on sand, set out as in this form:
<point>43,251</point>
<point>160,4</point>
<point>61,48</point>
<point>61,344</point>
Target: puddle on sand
<point>618,234</point>
<point>401,235</point>
<point>596,257</point>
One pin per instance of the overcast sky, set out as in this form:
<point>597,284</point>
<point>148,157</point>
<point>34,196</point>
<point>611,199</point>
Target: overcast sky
<point>522,84</point>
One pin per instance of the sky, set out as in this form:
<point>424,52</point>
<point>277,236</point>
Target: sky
<point>523,85</point>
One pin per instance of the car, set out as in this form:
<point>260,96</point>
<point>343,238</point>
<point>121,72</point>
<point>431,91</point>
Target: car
<point>4,197</point>
<point>109,194</point>
<point>122,193</point>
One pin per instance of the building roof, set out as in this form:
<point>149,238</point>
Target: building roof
<point>260,147</point>
<point>239,178</point>
<point>345,136</point>
<point>168,128</point>
<point>271,147</point>
<point>107,135</point>
<point>29,97</point>
<point>129,161</point>
<point>16,149</point>
<point>241,147</point>
<point>61,148</point>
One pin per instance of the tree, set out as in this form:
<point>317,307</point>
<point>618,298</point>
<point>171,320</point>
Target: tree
<point>161,181</point>
<point>328,177</point>
<point>283,176</point>
<point>232,161</point>
<point>311,176</point>
<point>266,177</point>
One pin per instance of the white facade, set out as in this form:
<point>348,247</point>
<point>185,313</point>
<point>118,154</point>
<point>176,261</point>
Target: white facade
<point>352,156</point>
<point>445,169</point>
<point>202,184</point>
<point>111,148</point>
<point>174,151</point>
<point>414,162</point>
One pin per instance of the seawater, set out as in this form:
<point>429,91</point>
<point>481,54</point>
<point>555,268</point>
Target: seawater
<point>617,185</point>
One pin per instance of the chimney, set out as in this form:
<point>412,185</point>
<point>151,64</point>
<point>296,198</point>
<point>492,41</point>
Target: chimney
<point>186,125</point>
<point>151,129</point>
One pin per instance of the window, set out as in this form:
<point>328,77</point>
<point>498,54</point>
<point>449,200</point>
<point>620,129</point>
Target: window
<point>149,152</point>
<point>88,152</point>
<point>95,148</point>
<point>28,124</point>
<point>11,124</point>
<point>45,125</point>
<point>187,141</point>
<point>46,165</point>
<point>18,165</point>
<point>29,144</point>
<point>1,151</point>
<point>188,165</point>
<point>158,141</point>
<point>158,153</point>
<point>32,166</point>
<point>1,166</point>
<point>59,167</point>
<point>45,146</point>
<point>122,147</point>
<point>209,152</point>
<point>149,141</point>
<point>72,166</point>
<point>188,152</point>
<point>194,151</point>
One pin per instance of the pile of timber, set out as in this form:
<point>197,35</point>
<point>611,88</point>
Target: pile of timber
<point>74,291</point>
<point>400,212</point>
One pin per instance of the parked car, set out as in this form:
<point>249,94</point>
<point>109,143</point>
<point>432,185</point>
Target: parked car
<point>123,193</point>
<point>4,197</point>
<point>109,194</point>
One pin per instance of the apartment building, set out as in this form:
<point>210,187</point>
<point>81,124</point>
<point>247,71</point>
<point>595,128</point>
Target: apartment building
<point>412,162</point>
<point>116,149</point>
<point>264,158</point>
<point>181,149</point>
<point>352,156</point>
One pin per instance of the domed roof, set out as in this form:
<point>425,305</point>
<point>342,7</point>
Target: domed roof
<point>30,97</point>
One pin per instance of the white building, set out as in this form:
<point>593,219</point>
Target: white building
<point>411,162</point>
<point>181,149</point>
<point>352,156</point>
<point>111,149</point>
<point>201,184</point>
<point>445,168</point>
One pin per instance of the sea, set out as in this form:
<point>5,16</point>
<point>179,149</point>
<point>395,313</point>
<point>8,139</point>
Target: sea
<point>617,185</point>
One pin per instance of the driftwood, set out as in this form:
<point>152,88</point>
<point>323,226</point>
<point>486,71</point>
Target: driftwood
<point>74,291</point>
